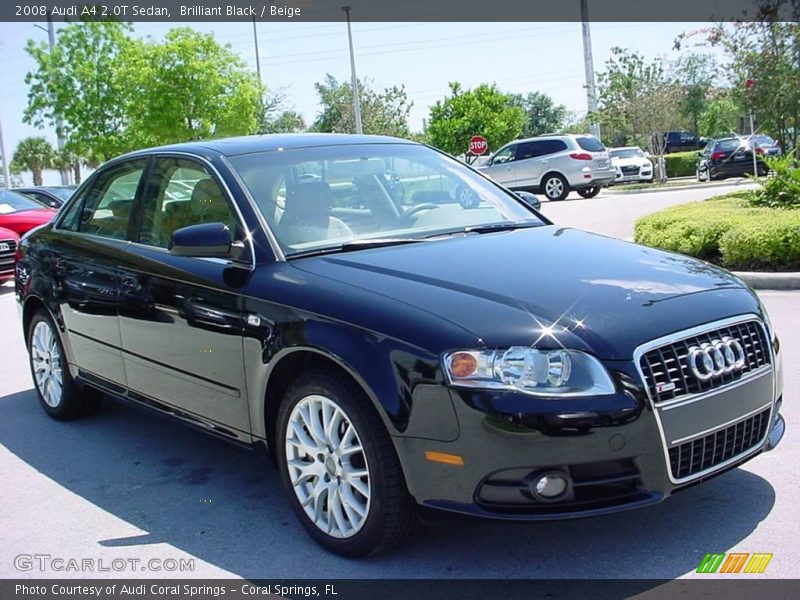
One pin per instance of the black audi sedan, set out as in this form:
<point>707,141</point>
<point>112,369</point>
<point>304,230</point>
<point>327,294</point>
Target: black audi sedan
<point>729,157</point>
<point>391,352</point>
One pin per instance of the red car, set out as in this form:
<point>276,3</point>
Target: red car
<point>21,214</point>
<point>8,249</point>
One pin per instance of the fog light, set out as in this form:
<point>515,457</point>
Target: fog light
<point>550,486</point>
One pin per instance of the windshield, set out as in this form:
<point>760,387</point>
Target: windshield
<point>626,153</point>
<point>728,145</point>
<point>13,202</point>
<point>65,193</point>
<point>326,197</point>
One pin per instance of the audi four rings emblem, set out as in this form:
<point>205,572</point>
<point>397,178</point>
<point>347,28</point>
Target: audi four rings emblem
<point>713,359</point>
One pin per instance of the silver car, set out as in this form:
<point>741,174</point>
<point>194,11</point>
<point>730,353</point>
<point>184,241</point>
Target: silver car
<point>553,165</point>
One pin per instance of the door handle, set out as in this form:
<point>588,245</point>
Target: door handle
<point>201,314</point>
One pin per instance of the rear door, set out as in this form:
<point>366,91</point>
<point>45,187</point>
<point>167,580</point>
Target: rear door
<point>532,158</point>
<point>86,267</point>
<point>180,317</point>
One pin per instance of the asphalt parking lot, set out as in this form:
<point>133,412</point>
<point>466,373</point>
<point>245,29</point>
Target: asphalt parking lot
<point>124,484</point>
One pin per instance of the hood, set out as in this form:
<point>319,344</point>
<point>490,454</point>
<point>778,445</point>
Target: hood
<point>636,161</point>
<point>549,286</point>
<point>24,220</point>
<point>8,234</point>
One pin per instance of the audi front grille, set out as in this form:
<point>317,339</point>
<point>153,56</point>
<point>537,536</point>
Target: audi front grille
<point>708,451</point>
<point>667,372</point>
<point>8,249</point>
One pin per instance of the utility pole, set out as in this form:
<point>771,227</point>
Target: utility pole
<point>354,79</point>
<point>258,58</point>
<point>588,64</point>
<point>6,170</point>
<point>51,37</point>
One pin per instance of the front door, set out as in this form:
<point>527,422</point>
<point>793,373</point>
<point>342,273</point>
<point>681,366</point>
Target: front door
<point>504,168</point>
<point>180,317</point>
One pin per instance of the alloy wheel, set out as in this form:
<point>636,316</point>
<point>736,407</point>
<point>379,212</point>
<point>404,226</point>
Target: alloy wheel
<point>327,466</point>
<point>46,357</point>
<point>554,187</point>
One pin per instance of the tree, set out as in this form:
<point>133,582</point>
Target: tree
<point>288,121</point>
<point>766,51</point>
<point>721,116</point>
<point>696,74</point>
<point>33,154</point>
<point>67,160</point>
<point>484,111</point>
<point>638,99</point>
<point>542,114</point>
<point>382,113</point>
<point>190,88</point>
<point>84,82</point>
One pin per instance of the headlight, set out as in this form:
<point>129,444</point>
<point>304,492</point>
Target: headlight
<point>528,370</point>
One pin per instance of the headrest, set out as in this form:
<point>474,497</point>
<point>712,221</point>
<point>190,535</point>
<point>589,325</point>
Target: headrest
<point>311,198</point>
<point>206,191</point>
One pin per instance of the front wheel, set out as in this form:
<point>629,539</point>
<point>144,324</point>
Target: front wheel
<point>555,187</point>
<point>339,465</point>
<point>589,192</point>
<point>58,394</point>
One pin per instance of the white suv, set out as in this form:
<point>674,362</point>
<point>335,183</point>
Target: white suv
<point>553,165</point>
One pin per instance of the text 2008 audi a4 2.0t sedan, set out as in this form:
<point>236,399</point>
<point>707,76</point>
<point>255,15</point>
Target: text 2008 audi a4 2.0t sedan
<point>329,297</point>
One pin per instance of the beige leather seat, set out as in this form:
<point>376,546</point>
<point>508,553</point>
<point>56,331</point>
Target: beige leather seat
<point>307,217</point>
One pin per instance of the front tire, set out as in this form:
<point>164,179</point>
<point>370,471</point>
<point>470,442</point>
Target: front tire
<point>555,187</point>
<point>338,463</point>
<point>589,192</point>
<point>58,394</point>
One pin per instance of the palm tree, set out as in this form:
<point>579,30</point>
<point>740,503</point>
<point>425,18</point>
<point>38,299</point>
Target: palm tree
<point>33,154</point>
<point>67,160</point>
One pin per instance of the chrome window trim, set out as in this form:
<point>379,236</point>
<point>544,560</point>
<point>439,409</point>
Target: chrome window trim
<point>679,335</point>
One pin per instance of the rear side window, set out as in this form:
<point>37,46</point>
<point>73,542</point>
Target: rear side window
<point>553,146</point>
<point>531,150</point>
<point>590,144</point>
<point>105,207</point>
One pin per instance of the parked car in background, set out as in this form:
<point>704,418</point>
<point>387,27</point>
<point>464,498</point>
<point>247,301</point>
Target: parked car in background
<point>631,164</point>
<point>680,141</point>
<point>467,357</point>
<point>8,249</point>
<point>553,165</point>
<point>731,157</point>
<point>764,145</point>
<point>49,196</point>
<point>20,213</point>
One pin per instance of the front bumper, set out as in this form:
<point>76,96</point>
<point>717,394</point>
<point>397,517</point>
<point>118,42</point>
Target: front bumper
<point>611,447</point>
<point>641,175</point>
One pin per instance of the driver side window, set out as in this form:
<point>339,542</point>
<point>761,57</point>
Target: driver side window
<point>180,193</point>
<point>504,155</point>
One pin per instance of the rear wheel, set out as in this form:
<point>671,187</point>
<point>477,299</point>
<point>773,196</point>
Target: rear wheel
<point>58,394</point>
<point>339,465</point>
<point>555,187</point>
<point>589,192</point>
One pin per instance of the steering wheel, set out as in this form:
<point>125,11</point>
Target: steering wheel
<point>406,216</point>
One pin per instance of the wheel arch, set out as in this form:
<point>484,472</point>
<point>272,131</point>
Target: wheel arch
<point>284,368</point>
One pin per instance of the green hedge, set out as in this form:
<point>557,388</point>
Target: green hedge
<point>681,164</point>
<point>728,231</point>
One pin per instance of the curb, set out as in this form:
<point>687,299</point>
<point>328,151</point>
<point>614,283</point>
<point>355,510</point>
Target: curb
<point>676,188</point>
<point>770,281</point>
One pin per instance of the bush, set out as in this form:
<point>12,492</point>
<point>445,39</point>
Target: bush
<point>782,188</point>
<point>681,164</point>
<point>727,230</point>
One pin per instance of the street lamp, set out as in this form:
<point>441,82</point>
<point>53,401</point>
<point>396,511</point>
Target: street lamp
<point>353,78</point>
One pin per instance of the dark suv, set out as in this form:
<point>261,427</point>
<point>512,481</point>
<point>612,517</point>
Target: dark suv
<point>680,141</point>
<point>300,292</point>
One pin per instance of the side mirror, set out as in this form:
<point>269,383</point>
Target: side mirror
<point>206,240</point>
<point>530,199</point>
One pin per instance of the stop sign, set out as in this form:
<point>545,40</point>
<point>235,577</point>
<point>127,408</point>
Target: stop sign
<point>478,145</point>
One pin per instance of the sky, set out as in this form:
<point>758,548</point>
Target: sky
<point>425,57</point>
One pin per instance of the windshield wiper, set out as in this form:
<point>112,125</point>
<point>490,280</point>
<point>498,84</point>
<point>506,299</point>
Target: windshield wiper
<point>362,244</point>
<point>492,227</point>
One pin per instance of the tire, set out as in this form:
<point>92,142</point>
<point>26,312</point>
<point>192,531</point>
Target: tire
<point>58,393</point>
<point>589,192</point>
<point>555,187</point>
<point>388,510</point>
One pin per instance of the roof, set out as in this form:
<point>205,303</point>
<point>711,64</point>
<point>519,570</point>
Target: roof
<point>272,142</point>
